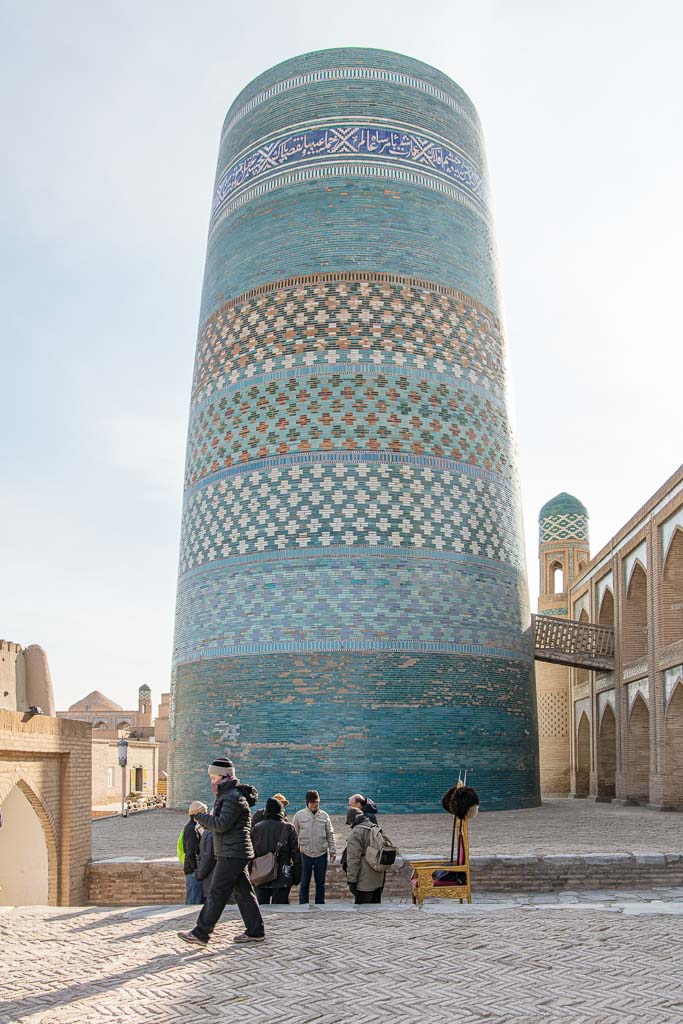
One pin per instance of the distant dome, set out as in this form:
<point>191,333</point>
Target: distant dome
<point>562,505</point>
<point>95,701</point>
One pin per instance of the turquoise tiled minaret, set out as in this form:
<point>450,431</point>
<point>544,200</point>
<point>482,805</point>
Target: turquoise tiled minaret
<point>352,608</point>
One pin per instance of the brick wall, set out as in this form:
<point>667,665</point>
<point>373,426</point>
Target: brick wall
<point>51,761</point>
<point>145,883</point>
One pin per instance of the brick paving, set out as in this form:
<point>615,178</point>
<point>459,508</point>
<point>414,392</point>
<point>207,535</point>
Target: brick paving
<point>558,826</point>
<point>578,959</point>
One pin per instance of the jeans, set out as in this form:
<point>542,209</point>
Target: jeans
<point>230,874</point>
<point>316,866</point>
<point>278,896</point>
<point>194,892</point>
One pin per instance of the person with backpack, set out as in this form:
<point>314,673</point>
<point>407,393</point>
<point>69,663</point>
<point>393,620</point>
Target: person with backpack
<point>363,856</point>
<point>369,809</point>
<point>366,805</point>
<point>274,834</point>
<point>188,851</point>
<point>230,823</point>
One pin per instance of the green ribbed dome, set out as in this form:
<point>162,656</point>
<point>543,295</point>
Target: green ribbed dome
<point>562,505</point>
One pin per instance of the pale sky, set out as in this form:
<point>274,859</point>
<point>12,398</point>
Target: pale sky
<point>111,115</point>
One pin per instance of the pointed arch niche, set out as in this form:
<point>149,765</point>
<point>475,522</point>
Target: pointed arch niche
<point>672,580</point>
<point>26,827</point>
<point>673,722</point>
<point>607,746</point>
<point>583,755</point>
<point>634,624</point>
<point>638,761</point>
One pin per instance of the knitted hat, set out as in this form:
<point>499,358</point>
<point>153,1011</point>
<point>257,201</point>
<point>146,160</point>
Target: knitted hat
<point>197,807</point>
<point>283,799</point>
<point>222,766</point>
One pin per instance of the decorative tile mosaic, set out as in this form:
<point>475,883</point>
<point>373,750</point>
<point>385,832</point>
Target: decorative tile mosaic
<point>564,527</point>
<point>363,410</point>
<point>344,171</point>
<point>345,321</point>
<point>638,554</point>
<point>581,707</point>
<point>605,698</point>
<point>668,529</point>
<point>350,504</point>
<point>640,686</point>
<point>385,146</point>
<point>380,75</point>
<point>351,601</point>
<point>606,583</point>
<point>671,677</point>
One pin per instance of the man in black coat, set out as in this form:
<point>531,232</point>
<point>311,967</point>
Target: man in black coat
<point>230,823</point>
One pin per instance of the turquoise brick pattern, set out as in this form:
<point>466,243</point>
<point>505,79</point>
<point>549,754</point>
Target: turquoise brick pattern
<point>395,725</point>
<point>352,605</point>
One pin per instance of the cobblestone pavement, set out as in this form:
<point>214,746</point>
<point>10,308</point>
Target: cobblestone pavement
<point>558,826</point>
<point>590,960</point>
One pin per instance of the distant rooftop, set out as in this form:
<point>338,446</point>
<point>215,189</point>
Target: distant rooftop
<point>95,701</point>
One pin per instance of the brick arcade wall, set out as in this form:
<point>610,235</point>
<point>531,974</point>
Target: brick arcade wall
<point>352,606</point>
<point>50,759</point>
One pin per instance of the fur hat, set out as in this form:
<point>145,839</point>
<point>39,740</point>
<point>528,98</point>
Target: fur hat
<point>461,801</point>
<point>222,766</point>
<point>197,807</point>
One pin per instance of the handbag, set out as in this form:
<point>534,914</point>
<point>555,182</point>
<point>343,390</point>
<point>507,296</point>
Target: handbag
<point>265,869</point>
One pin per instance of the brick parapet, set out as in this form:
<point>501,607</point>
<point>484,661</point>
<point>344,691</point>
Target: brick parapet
<point>142,883</point>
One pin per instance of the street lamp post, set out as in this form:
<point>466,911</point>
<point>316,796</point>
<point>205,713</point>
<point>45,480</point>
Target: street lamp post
<point>123,761</point>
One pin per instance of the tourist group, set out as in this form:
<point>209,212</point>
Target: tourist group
<point>256,860</point>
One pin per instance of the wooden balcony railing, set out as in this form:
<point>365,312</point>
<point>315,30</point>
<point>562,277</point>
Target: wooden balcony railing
<point>569,642</point>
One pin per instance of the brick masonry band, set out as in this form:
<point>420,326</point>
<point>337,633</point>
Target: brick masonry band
<point>352,606</point>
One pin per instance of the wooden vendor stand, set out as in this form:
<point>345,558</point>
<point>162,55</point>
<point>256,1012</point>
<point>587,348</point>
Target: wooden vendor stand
<point>424,885</point>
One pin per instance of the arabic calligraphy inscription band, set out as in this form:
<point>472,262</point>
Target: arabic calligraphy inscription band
<point>352,608</point>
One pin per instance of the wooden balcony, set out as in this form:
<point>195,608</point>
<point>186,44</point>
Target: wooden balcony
<point>569,642</point>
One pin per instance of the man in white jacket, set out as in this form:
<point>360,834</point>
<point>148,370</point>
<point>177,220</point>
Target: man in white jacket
<point>316,838</point>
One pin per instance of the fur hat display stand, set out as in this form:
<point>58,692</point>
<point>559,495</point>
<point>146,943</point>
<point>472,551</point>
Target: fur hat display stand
<point>462,802</point>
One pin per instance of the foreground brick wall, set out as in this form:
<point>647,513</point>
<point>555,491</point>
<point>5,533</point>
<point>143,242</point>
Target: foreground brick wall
<point>141,883</point>
<point>50,760</point>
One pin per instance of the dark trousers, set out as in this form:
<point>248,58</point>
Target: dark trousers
<point>230,874</point>
<point>279,896</point>
<point>316,866</point>
<point>374,896</point>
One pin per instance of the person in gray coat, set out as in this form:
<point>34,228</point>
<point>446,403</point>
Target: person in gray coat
<point>365,883</point>
<point>230,823</point>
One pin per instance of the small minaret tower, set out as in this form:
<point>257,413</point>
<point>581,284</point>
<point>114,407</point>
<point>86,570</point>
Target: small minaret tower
<point>144,706</point>
<point>563,553</point>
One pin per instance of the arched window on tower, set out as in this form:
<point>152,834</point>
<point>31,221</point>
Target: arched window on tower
<point>557,578</point>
